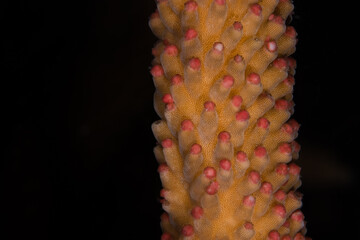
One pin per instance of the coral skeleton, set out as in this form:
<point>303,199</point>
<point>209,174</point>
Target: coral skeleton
<point>226,144</point>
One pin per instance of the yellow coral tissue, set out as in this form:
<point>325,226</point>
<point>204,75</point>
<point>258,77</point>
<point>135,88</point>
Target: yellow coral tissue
<point>226,141</point>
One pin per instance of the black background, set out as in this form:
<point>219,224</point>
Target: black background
<point>77,104</point>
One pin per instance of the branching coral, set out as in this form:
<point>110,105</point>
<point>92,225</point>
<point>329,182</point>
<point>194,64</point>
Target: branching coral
<point>226,151</point>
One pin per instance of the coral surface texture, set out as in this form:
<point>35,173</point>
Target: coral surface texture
<point>226,141</point>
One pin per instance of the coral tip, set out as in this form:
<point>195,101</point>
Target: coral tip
<point>224,136</point>
<point>256,9</point>
<point>195,64</point>
<point>154,52</point>
<point>297,216</point>
<point>195,149</point>
<point>253,78</point>
<point>280,210</point>
<point>220,2</point>
<point>281,104</point>
<point>210,172</point>
<point>271,46</point>
<point>290,32</point>
<point>242,115</point>
<point>225,164</point>
<point>166,42</point>
<point>266,188</point>
<point>163,168</point>
<point>263,123</point>
<point>295,195</point>
<point>209,106</point>
<point>273,235</point>
<point>170,106</point>
<point>260,151</point>
<point>280,195</point>
<point>190,34</point>
<point>212,188</point>
<point>237,26</point>
<point>294,124</point>
<point>277,19</point>
<point>166,236</point>
<point>187,125</point>
<point>227,81</point>
<point>282,169</point>
<point>167,143</point>
<point>296,146</point>
<point>286,237</point>
<point>294,169</point>
<point>157,71</point>
<point>177,79</point>
<point>292,62</point>
<point>290,80</point>
<point>167,98</point>
<point>237,101</point>
<point>187,230</point>
<point>280,63</point>
<point>190,6</point>
<point>197,212</point>
<point>218,47</point>
<point>163,193</point>
<point>248,226</point>
<point>165,217</point>
<point>285,148</point>
<point>171,50</point>
<point>254,177</point>
<point>287,128</point>
<point>241,156</point>
<point>291,104</point>
<point>299,236</point>
<point>155,15</point>
<point>249,201</point>
<point>238,59</point>
<point>286,224</point>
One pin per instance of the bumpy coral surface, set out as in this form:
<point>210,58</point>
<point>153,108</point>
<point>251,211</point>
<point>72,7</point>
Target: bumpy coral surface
<point>226,151</point>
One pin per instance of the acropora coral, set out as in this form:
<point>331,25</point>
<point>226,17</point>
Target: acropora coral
<point>226,151</point>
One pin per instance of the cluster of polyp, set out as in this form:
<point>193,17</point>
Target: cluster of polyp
<point>226,144</point>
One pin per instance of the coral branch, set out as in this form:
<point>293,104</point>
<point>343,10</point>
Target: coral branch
<point>226,145</point>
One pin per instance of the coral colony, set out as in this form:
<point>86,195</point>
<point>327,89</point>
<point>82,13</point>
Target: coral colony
<point>226,153</point>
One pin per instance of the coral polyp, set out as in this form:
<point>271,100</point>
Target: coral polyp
<point>226,142</point>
